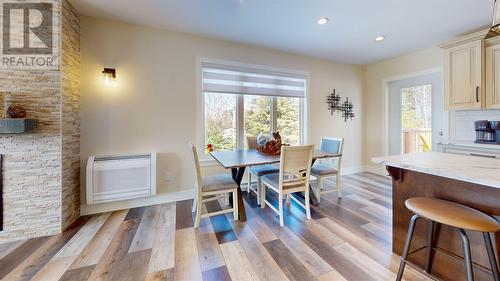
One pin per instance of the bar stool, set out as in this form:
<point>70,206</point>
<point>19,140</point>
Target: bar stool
<point>454,215</point>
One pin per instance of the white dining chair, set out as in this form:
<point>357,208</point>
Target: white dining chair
<point>258,171</point>
<point>216,186</point>
<point>327,168</point>
<point>295,170</point>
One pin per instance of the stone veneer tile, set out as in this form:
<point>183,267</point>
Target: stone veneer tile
<point>41,170</point>
<point>70,67</point>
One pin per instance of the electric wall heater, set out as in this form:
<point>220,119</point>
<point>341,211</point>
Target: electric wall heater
<point>120,177</point>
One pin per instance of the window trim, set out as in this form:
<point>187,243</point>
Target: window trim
<point>200,100</point>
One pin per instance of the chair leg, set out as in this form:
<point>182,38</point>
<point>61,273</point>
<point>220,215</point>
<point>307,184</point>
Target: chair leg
<point>249,181</point>
<point>263,196</point>
<point>339,188</point>
<point>319,187</point>
<point>288,198</point>
<point>235,205</point>
<point>198,211</point>
<point>491,256</point>
<point>259,190</point>
<point>308,203</point>
<point>467,256</point>
<point>406,250</point>
<point>430,234</point>
<point>280,209</point>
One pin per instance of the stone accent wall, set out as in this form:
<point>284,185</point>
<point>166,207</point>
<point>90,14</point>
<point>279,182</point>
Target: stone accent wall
<point>70,68</point>
<point>41,170</point>
<point>32,162</point>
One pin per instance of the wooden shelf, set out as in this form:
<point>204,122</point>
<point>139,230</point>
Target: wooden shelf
<point>17,126</point>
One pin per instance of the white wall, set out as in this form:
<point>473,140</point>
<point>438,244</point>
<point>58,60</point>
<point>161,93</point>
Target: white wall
<point>153,105</point>
<point>376,75</point>
<point>463,123</point>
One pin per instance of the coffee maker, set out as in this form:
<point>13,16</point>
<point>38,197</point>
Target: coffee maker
<point>487,132</point>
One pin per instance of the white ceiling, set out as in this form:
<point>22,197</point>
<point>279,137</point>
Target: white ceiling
<point>291,25</point>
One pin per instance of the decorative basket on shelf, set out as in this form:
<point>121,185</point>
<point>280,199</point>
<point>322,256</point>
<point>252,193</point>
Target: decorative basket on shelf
<point>269,144</point>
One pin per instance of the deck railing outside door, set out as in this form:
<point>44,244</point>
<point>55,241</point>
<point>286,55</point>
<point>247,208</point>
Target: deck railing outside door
<point>417,140</point>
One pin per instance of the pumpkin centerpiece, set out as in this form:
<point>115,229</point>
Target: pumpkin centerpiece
<point>269,145</point>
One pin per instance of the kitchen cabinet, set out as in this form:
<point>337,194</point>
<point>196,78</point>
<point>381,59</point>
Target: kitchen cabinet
<point>463,72</point>
<point>492,97</point>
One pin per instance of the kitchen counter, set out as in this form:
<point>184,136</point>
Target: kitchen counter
<point>469,180</point>
<point>472,169</point>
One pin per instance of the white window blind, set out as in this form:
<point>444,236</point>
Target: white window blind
<point>219,78</point>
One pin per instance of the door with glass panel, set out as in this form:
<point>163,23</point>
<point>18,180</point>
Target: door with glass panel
<point>416,114</point>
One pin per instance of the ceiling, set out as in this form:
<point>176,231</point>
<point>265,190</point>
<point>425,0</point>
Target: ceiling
<point>291,25</point>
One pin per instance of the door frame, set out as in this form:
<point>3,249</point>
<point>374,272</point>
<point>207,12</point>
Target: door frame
<point>385,90</point>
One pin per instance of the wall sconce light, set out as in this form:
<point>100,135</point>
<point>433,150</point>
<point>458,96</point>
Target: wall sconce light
<point>109,75</point>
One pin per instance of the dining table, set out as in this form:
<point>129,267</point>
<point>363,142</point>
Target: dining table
<point>238,160</point>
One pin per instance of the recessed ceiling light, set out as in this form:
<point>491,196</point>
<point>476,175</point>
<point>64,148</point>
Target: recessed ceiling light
<point>380,38</point>
<point>322,20</point>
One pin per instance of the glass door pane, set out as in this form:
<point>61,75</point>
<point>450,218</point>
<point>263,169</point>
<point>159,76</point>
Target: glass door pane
<point>416,114</point>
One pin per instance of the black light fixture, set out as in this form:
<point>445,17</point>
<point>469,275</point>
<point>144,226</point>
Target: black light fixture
<point>335,104</point>
<point>495,25</point>
<point>108,75</point>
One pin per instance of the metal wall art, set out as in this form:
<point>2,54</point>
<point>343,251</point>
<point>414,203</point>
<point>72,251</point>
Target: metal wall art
<point>335,104</point>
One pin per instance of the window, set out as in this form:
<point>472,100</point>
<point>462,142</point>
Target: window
<point>257,115</point>
<point>241,102</point>
<point>220,120</point>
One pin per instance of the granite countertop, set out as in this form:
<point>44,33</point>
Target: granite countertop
<point>473,169</point>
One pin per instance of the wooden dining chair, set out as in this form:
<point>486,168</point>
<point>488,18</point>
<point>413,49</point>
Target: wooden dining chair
<point>295,170</point>
<point>216,186</point>
<point>328,168</point>
<point>258,171</point>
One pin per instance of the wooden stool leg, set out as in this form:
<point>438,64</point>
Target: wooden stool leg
<point>467,257</point>
<point>406,250</point>
<point>491,256</point>
<point>428,262</point>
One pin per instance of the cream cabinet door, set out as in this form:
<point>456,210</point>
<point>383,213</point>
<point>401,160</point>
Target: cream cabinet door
<point>493,77</point>
<point>463,73</point>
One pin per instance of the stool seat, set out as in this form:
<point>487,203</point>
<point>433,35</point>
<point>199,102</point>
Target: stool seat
<point>452,214</point>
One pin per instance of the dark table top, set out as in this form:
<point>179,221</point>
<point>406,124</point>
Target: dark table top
<point>250,157</point>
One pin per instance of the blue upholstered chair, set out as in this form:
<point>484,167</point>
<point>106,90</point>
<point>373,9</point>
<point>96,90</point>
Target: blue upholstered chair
<point>328,167</point>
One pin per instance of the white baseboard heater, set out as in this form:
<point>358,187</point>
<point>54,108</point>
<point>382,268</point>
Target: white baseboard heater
<point>120,177</point>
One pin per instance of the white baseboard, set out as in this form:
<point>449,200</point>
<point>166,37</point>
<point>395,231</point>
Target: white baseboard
<point>139,202</point>
<point>351,170</point>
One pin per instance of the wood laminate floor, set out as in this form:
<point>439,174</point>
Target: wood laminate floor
<point>348,239</point>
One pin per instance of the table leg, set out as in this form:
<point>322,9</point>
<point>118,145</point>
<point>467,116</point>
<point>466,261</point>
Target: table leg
<point>238,177</point>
